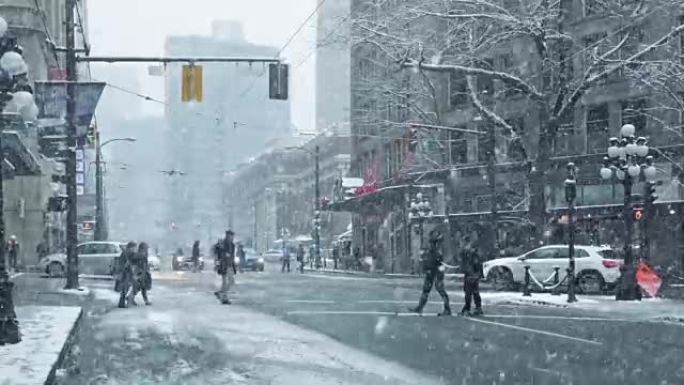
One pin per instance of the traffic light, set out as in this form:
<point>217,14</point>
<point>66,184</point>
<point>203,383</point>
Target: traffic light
<point>651,195</point>
<point>413,139</point>
<point>192,86</point>
<point>278,81</point>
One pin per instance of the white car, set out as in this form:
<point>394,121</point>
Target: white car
<point>596,267</point>
<point>154,262</point>
<point>93,258</point>
<point>273,255</point>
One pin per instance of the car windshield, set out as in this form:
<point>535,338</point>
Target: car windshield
<point>342,192</point>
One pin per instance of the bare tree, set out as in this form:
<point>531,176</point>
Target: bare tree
<point>532,56</point>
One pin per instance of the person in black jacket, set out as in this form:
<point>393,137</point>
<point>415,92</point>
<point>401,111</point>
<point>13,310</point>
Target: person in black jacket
<point>472,272</point>
<point>124,277</point>
<point>434,273</point>
<point>195,256</point>
<point>226,266</point>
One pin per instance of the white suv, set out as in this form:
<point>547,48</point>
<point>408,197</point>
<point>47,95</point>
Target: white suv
<point>93,258</point>
<point>596,267</point>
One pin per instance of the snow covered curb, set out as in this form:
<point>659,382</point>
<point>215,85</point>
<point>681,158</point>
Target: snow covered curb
<point>47,335</point>
<point>81,291</point>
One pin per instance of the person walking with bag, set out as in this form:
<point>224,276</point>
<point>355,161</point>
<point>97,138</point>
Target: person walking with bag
<point>124,279</point>
<point>195,256</point>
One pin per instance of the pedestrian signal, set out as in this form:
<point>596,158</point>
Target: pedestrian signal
<point>192,85</point>
<point>638,214</point>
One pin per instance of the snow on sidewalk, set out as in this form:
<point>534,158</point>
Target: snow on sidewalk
<point>44,332</point>
<point>648,308</point>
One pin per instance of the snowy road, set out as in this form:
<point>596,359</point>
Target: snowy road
<point>293,329</point>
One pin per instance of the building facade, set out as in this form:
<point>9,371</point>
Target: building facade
<point>433,134</point>
<point>234,122</point>
<point>272,196</point>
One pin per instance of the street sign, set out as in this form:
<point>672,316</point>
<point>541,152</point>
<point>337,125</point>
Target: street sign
<point>51,100</point>
<point>192,85</point>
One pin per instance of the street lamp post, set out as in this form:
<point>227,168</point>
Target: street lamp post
<point>17,96</point>
<point>419,210</point>
<point>628,161</point>
<point>570,195</point>
<point>100,227</point>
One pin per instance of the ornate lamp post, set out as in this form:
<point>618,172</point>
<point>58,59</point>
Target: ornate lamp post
<point>570,195</point>
<point>626,163</point>
<point>419,210</point>
<point>15,96</point>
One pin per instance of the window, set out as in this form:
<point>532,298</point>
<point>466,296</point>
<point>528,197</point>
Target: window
<point>595,46</point>
<point>485,145</point>
<point>562,142</point>
<point>681,41</point>
<point>485,84</point>
<point>634,112</point>
<point>542,254</point>
<point>458,147</point>
<point>597,129</point>
<point>458,90</point>
<point>594,7</point>
<point>581,253</point>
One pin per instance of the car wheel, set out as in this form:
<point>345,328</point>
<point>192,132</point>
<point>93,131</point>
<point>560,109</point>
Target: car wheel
<point>55,269</point>
<point>501,278</point>
<point>261,268</point>
<point>590,282</point>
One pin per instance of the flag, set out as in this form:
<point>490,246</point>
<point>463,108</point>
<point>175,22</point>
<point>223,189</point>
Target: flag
<point>648,279</point>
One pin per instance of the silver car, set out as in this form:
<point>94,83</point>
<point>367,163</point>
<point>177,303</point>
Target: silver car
<point>97,258</point>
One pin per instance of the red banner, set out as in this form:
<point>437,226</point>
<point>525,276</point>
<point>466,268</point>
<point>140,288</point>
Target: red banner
<point>648,279</point>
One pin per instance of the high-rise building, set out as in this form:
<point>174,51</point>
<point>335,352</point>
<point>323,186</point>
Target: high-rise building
<point>333,67</point>
<point>234,121</point>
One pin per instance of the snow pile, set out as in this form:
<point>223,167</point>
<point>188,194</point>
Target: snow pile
<point>81,291</point>
<point>44,332</point>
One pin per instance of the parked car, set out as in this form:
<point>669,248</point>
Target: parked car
<point>597,268</point>
<point>253,261</point>
<point>154,262</point>
<point>98,258</point>
<point>273,255</point>
<point>184,262</point>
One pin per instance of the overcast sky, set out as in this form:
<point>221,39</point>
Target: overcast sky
<point>139,27</point>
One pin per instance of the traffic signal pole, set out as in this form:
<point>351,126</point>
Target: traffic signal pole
<point>72,78</point>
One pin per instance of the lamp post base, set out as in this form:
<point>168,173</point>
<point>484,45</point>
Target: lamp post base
<point>9,326</point>
<point>627,288</point>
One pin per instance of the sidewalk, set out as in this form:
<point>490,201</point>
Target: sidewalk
<point>46,333</point>
<point>646,309</point>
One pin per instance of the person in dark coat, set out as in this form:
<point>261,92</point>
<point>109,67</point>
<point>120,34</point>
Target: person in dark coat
<point>434,273</point>
<point>472,272</point>
<point>286,260</point>
<point>300,257</point>
<point>335,255</point>
<point>141,275</point>
<point>242,257</point>
<point>226,266</point>
<point>195,256</point>
<point>13,252</point>
<point>124,277</point>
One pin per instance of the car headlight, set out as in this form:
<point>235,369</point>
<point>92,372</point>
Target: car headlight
<point>201,259</point>
<point>179,259</point>
<point>261,260</point>
<point>236,259</point>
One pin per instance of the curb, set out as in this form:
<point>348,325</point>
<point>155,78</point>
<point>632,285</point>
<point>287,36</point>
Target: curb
<point>71,339</point>
<point>534,302</point>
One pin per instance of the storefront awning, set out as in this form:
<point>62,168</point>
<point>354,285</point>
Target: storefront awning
<point>367,201</point>
<point>18,155</point>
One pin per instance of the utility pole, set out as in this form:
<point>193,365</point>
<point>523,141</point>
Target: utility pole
<point>72,230</point>
<point>317,213</point>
